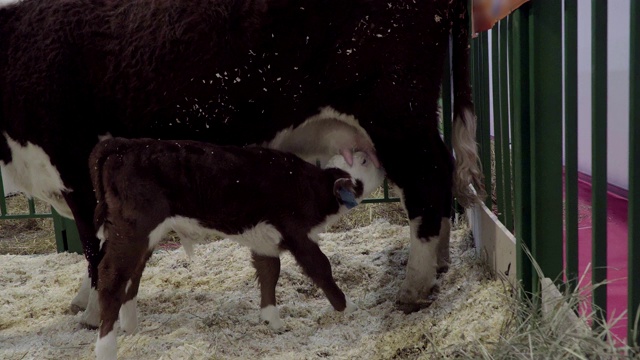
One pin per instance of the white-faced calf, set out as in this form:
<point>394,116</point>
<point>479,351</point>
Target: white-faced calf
<point>265,199</point>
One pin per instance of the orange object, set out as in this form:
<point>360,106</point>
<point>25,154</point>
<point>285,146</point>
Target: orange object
<point>487,13</point>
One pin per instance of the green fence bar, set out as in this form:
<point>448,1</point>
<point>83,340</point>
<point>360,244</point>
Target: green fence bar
<point>32,206</point>
<point>504,118</point>
<point>599,153</point>
<point>485,135</point>
<point>521,143</point>
<point>545,80</point>
<point>571,139</point>
<point>497,121</point>
<point>634,176</point>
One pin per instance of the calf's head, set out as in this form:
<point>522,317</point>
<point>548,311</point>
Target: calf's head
<point>365,177</point>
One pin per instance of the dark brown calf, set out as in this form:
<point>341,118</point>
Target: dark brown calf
<point>265,199</point>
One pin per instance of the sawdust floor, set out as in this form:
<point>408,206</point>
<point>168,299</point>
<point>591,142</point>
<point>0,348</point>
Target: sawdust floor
<point>208,308</point>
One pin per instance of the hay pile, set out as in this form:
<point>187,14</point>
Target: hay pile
<point>208,308</point>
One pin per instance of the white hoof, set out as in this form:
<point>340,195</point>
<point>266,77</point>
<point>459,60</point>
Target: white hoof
<point>351,307</point>
<point>271,315</point>
<point>128,316</point>
<point>106,347</point>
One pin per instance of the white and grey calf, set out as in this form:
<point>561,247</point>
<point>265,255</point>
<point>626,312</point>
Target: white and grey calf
<point>265,199</point>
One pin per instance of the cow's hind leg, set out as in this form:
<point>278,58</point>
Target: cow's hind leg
<point>268,272</point>
<point>316,265</point>
<point>426,192</point>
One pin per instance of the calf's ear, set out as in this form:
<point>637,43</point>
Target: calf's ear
<point>345,192</point>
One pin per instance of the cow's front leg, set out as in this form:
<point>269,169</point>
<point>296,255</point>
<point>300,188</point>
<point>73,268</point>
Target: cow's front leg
<point>82,206</point>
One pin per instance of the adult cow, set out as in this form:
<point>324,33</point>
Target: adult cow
<point>278,73</point>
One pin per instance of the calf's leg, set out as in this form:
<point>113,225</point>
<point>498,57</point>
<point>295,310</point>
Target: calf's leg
<point>123,262</point>
<point>316,265</point>
<point>128,314</point>
<point>268,272</point>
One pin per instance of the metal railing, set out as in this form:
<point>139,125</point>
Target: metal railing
<point>528,94</point>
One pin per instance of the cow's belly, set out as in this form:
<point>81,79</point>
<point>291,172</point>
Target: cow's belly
<point>31,171</point>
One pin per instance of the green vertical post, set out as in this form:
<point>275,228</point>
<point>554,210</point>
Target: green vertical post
<point>545,80</point>
<point>66,232</point>
<point>571,138</point>
<point>485,134</point>
<point>497,120</point>
<point>521,143</point>
<point>634,177</point>
<point>32,206</point>
<point>504,117</point>
<point>599,154</point>
<point>512,115</point>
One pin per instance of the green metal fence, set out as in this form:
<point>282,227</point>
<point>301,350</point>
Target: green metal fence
<point>528,94</point>
<point>66,234</point>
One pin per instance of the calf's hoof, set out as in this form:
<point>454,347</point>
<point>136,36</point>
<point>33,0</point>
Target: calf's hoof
<point>351,307</point>
<point>271,316</point>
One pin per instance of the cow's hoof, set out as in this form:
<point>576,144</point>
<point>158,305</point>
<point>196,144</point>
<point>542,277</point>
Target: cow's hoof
<point>88,326</point>
<point>408,300</point>
<point>74,309</point>
<point>90,320</point>
<point>442,269</point>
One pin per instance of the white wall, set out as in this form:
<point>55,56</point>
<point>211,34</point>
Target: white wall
<point>617,90</point>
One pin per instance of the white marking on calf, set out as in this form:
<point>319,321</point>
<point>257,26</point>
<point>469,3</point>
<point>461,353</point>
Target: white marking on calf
<point>126,288</point>
<point>271,315</point>
<point>106,347</point>
<point>101,235</point>
<point>128,315</point>
<point>421,266</point>
<point>263,238</point>
<point>31,171</point>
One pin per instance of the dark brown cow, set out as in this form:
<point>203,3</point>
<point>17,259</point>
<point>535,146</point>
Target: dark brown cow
<point>265,199</point>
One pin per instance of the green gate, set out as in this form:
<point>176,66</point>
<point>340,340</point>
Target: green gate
<point>528,94</point>
<point>67,238</point>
